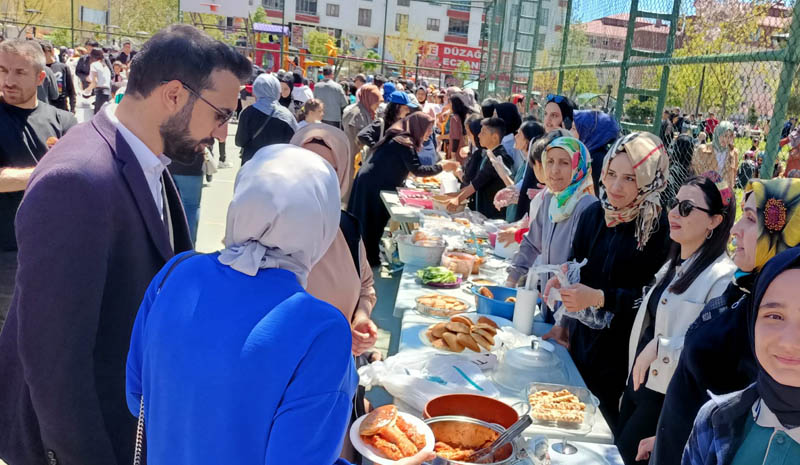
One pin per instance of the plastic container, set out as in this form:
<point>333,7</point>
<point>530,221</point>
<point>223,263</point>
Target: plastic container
<point>440,203</point>
<point>591,402</point>
<point>461,263</point>
<point>497,306</point>
<point>460,306</point>
<point>419,255</point>
<point>524,365</point>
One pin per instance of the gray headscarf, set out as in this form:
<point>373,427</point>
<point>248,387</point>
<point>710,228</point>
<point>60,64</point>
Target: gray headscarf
<point>284,213</point>
<point>267,90</point>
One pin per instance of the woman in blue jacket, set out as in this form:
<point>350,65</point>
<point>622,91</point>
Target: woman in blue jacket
<point>231,360</point>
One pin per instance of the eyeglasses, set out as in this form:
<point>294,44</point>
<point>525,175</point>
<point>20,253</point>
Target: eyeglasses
<point>222,116</point>
<point>685,207</point>
<point>555,98</point>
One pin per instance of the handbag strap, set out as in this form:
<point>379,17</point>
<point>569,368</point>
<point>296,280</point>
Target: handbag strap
<point>137,451</point>
<point>264,125</point>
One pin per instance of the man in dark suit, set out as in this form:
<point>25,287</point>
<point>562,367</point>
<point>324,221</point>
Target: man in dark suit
<point>101,215</point>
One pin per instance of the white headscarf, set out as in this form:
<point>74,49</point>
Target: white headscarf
<point>284,213</point>
<point>267,90</point>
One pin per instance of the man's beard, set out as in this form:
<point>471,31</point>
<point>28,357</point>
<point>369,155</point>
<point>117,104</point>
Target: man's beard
<point>178,145</point>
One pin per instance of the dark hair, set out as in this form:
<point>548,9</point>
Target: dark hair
<point>487,107</point>
<point>97,55</point>
<point>509,113</point>
<point>352,88</point>
<point>391,113</point>
<point>360,77</point>
<point>47,47</point>
<point>713,247</point>
<point>458,103</point>
<point>379,80</point>
<point>537,150</point>
<point>496,125</point>
<point>327,71</point>
<point>531,130</point>
<point>311,104</point>
<point>182,52</point>
<point>92,42</point>
<point>474,125</point>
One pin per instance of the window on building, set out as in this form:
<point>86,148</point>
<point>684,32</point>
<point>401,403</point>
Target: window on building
<point>544,19</point>
<point>403,2</point>
<point>458,27</point>
<point>540,42</point>
<point>401,23</point>
<point>272,4</point>
<point>307,7</point>
<point>332,9</point>
<point>364,17</point>
<point>433,24</point>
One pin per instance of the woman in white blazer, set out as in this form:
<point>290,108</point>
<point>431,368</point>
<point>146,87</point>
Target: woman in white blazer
<point>698,270</point>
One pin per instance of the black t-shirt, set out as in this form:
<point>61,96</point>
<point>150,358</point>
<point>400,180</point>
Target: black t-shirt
<point>23,142</point>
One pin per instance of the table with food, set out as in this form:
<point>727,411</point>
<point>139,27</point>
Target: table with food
<point>471,366</point>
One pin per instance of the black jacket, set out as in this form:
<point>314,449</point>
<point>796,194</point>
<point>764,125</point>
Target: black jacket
<point>250,139</point>
<point>487,182</point>
<point>716,357</point>
<point>621,271</point>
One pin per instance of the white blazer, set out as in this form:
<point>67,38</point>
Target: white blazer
<point>674,315</point>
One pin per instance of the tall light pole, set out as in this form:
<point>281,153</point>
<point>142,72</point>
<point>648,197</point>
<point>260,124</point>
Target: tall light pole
<point>383,44</point>
<point>416,74</point>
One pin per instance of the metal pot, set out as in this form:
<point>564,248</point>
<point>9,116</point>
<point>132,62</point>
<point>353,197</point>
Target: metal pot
<point>518,456</point>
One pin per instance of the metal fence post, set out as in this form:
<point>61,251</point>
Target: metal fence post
<point>564,44</point>
<point>791,58</point>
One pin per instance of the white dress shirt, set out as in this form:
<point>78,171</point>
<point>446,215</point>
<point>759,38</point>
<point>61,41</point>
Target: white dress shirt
<point>152,165</point>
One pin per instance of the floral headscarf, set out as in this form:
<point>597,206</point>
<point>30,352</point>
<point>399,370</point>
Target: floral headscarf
<point>564,202</point>
<point>777,202</point>
<point>651,167</point>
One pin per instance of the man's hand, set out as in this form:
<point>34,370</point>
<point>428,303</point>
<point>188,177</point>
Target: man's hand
<point>364,333</point>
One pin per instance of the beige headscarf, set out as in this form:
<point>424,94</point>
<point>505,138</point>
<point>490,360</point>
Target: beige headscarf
<point>651,167</point>
<point>278,194</point>
<point>331,144</point>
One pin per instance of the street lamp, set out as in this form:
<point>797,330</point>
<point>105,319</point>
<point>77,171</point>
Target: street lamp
<point>416,75</point>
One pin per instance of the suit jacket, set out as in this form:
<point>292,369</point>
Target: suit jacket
<point>90,241</point>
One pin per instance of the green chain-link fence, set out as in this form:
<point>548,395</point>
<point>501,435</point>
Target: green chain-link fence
<point>636,58</point>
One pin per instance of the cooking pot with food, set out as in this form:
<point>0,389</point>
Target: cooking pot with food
<point>458,437</point>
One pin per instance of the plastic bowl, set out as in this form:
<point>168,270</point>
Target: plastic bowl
<point>418,255</point>
<point>496,306</point>
<point>473,406</point>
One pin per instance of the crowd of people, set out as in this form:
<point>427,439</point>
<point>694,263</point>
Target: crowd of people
<point>119,334</point>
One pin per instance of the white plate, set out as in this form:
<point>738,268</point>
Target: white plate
<point>501,322</point>
<point>373,455</point>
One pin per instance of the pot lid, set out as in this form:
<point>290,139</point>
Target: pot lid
<point>533,357</point>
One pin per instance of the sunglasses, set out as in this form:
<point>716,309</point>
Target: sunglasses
<point>685,207</point>
<point>555,98</point>
<point>222,116</point>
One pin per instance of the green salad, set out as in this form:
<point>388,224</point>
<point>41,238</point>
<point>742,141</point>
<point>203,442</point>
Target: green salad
<point>437,274</point>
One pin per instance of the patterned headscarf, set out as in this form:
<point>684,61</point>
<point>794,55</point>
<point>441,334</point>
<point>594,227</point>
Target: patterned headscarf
<point>580,184</point>
<point>651,167</point>
<point>778,212</point>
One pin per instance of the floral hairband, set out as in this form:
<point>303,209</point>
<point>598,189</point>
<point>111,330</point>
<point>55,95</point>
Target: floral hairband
<point>724,190</point>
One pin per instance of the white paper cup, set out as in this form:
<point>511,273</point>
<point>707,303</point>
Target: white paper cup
<point>525,310</point>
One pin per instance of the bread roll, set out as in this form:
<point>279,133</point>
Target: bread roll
<point>467,341</point>
<point>452,342</point>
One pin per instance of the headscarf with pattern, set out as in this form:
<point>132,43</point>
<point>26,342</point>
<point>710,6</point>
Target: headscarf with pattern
<point>651,168</point>
<point>778,212</point>
<point>564,202</point>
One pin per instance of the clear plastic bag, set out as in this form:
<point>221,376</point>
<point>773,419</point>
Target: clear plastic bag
<point>591,317</point>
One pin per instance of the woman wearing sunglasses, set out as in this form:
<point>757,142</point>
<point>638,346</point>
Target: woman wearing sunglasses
<point>716,357</point>
<point>697,271</point>
<point>624,240</point>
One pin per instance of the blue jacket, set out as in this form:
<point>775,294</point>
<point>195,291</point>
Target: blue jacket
<point>90,240</point>
<point>239,369</point>
<point>719,428</point>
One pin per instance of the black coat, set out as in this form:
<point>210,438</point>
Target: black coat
<point>385,170</point>
<point>250,137</point>
<point>90,241</point>
<point>716,357</point>
<point>621,271</point>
